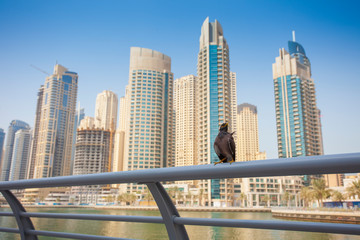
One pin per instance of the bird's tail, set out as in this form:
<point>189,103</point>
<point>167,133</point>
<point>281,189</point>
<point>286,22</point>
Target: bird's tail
<point>232,133</point>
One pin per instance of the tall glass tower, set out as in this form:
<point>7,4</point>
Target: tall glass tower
<point>15,126</point>
<point>149,137</point>
<point>213,99</point>
<point>20,156</point>
<point>2,140</point>
<point>297,116</point>
<point>53,154</point>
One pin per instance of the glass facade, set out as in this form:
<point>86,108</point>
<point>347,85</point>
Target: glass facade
<point>15,125</point>
<point>297,116</point>
<point>291,114</point>
<point>214,114</point>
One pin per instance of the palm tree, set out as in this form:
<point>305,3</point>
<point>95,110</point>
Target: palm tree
<point>354,189</point>
<point>338,196</point>
<point>319,190</point>
<point>201,196</point>
<point>189,197</point>
<point>266,199</point>
<point>120,198</point>
<point>306,195</point>
<point>286,197</point>
<point>148,196</point>
<point>242,197</point>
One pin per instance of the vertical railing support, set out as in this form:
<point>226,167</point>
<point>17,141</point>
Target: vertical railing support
<point>168,211</point>
<point>24,223</point>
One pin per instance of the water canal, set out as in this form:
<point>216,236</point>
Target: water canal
<point>158,231</point>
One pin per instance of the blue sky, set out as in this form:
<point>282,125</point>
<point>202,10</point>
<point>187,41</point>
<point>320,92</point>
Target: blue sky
<point>93,38</point>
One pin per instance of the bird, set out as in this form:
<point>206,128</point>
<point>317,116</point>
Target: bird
<point>224,145</point>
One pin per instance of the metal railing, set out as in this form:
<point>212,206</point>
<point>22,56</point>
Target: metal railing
<point>175,224</point>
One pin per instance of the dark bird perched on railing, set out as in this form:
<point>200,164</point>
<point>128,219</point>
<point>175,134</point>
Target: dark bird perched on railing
<point>224,145</point>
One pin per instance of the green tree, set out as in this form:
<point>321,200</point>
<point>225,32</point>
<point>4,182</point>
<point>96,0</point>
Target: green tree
<point>354,189</point>
<point>266,199</point>
<point>189,198</point>
<point>201,197</point>
<point>337,196</point>
<point>242,197</point>
<point>286,197</point>
<point>148,196</point>
<point>306,195</point>
<point>319,190</point>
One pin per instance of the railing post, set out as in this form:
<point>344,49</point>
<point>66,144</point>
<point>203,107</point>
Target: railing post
<point>24,223</point>
<point>168,211</point>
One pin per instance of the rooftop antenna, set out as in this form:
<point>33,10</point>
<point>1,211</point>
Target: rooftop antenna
<point>293,33</point>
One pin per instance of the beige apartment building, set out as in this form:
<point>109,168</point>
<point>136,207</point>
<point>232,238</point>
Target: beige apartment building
<point>149,131</point>
<point>118,160</point>
<point>184,105</point>
<point>247,138</point>
<point>106,110</point>
<point>54,144</point>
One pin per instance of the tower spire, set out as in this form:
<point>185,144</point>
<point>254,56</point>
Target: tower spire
<point>293,35</point>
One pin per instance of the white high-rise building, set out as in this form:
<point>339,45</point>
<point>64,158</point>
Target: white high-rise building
<point>184,105</point>
<point>53,152</point>
<point>106,110</point>
<point>213,99</point>
<point>21,155</point>
<point>118,161</point>
<point>15,125</point>
<point>149,136</point>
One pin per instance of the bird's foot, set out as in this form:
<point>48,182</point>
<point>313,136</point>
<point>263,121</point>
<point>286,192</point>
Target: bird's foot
<point>221,161</point>
<point>232,161</point>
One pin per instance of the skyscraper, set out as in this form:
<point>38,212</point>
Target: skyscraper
<point>247,142</point>
<point>2,140</point>
<point>15,125</point>
<point>79,115</point>
<point>118,161</point>
<point>233,103</point>
<point>53,154</point>
<point>21,154</point>
<point>92,148</point>
<point>213,98</point>
<point>149,120</point>
<point>297,116</point>
<point>106,110</point>
<point>184,105</point>
<point>91,156</point>
<point>35,137</point>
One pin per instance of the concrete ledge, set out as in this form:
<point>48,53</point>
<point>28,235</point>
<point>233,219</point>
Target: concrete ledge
<point>155,208</point>
<point>323,216</point>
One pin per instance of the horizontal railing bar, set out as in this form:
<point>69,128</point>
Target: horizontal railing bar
<point>324,164</point>
<point>72,235</point>
<point>7,214</point>
<point>338,228</point>
<point>142,219</point>
<point>9,230</point>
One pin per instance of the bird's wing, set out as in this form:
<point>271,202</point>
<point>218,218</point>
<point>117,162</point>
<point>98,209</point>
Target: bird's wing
<point>216,148</point>
<point>232,146</point>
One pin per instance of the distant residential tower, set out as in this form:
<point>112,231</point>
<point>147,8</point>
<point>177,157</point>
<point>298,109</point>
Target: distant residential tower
<point>53,153</point>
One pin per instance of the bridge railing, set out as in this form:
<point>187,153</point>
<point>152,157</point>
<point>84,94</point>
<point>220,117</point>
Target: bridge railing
<point>175,224</point>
